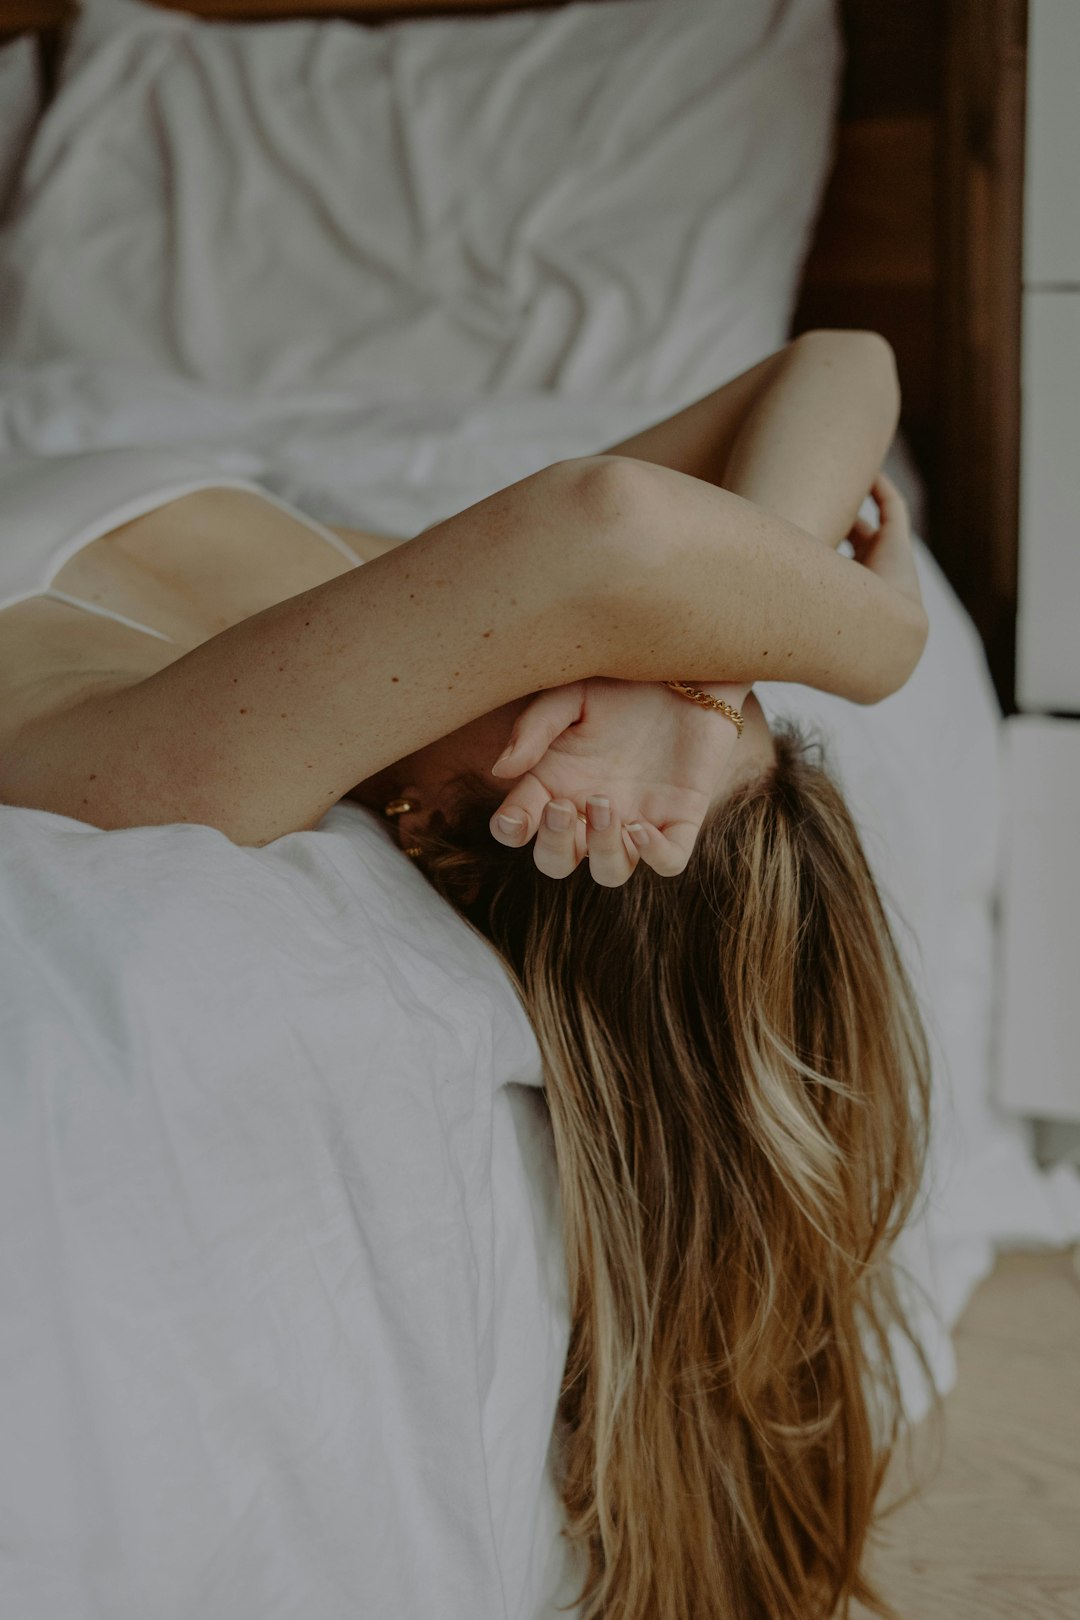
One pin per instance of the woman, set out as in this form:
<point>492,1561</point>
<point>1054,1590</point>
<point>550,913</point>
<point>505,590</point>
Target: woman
<point>734,1063</point>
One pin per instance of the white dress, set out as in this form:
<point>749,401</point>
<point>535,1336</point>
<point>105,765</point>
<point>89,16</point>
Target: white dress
<point>53,506</point>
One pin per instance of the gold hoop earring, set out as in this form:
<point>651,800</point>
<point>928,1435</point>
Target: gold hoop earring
<point>400,807</point>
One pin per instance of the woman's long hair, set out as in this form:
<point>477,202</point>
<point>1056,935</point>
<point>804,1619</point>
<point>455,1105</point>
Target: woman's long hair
<point>738,1085</point>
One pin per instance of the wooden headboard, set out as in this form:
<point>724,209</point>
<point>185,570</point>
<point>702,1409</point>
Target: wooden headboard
<point>919,238</point>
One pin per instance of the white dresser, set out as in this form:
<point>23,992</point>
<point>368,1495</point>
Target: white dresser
<point>1039,1044</point>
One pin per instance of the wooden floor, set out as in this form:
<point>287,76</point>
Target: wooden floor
<point>996,1533</point>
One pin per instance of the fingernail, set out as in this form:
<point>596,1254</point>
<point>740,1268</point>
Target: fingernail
<point>638,833</point>
<point>600,812</point>
<point>511,825</point>
<point>507,751</point>
<point>558,817</point>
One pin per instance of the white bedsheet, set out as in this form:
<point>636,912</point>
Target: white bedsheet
<point>270,1199</point>
<point>282,1296</point>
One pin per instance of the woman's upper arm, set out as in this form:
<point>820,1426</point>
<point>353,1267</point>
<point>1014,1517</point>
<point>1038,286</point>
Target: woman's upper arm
<point>261,728</point>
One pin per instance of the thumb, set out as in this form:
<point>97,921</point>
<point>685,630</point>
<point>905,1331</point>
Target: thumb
<point>537,727</point>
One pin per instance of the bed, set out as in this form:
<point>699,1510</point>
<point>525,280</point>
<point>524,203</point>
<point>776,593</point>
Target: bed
<point>285,1307</point>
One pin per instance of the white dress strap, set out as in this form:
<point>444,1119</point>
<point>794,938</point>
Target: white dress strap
<point>53,506</point>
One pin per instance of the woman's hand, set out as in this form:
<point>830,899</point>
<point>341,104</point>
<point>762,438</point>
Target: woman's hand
<point>654,761</point>
<point>887,551</point>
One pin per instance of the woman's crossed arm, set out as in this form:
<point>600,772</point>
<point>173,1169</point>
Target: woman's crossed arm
<point>600,566</point>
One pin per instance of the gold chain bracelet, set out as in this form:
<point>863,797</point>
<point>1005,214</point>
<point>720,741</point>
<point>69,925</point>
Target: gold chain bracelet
<point>707,701</point>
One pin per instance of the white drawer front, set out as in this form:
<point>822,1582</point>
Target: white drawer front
<point>1039,1001</point>
<point>1051,192</point>
<point>1048,624</point>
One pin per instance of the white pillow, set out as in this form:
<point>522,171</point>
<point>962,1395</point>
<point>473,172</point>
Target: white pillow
<point>599,198</point>
<point>20,99</point>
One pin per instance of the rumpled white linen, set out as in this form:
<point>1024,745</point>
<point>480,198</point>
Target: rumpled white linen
<point>283,1321</point>
<point>599,198</point>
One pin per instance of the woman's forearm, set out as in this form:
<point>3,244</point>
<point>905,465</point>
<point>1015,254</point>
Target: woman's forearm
<point>736,593</point>
<point>813,440</point>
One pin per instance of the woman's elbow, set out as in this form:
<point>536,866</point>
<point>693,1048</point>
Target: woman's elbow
<point>614,497</point>
<point>907,643</point>
<point>614,512</point>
